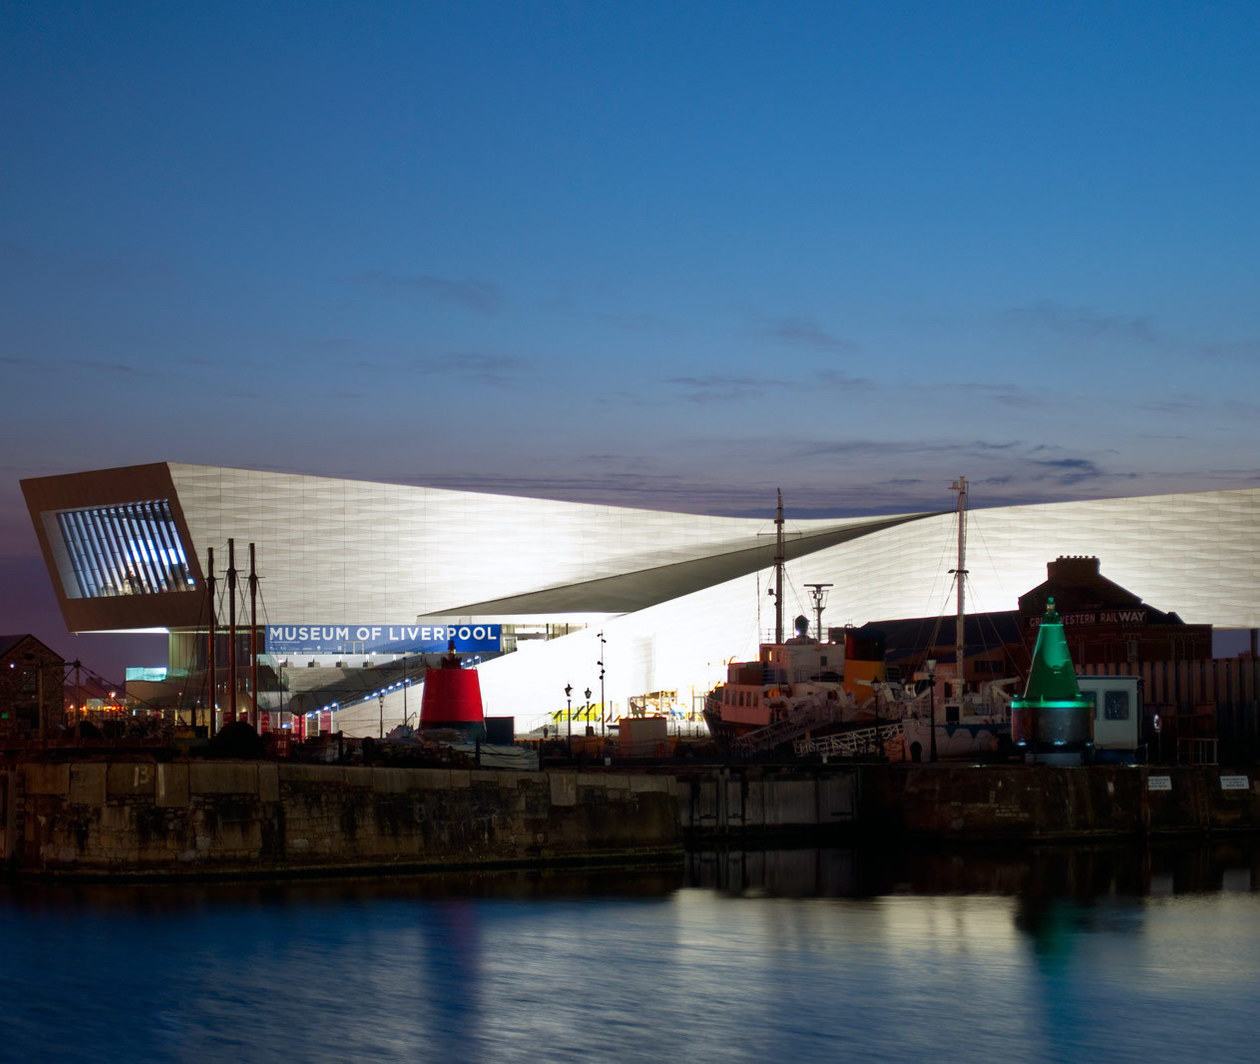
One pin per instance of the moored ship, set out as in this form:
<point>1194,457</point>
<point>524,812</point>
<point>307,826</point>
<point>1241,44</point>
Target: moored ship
<point>797,686</point>
<point>834,699</point>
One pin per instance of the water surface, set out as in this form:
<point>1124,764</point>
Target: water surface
<point>808,955</point>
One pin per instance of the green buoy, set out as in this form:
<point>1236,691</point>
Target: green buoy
<point>1052,722</point>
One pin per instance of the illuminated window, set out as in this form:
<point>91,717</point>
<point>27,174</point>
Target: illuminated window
<point>129,549</point>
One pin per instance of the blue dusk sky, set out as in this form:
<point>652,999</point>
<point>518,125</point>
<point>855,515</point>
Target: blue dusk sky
<point>667,255</point>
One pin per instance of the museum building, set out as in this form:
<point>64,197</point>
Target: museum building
<point>354,578</point>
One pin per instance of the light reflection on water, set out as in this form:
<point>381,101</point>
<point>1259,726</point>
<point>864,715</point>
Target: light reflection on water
<point>1057,955</point>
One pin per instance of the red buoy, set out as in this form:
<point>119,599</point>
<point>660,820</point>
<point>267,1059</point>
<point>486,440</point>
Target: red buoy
<point>452,699</point>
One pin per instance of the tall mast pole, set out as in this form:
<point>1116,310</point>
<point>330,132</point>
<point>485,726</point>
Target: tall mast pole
<point>253,633</point>
<point>210,662</point>
<point>960,574</point>
<point>231,576</point>
<point>778,571</point>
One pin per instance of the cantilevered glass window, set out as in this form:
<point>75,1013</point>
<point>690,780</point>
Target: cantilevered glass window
<point>130,549</point>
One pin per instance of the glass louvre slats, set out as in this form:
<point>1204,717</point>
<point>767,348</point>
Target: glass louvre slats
<point>130,549</point>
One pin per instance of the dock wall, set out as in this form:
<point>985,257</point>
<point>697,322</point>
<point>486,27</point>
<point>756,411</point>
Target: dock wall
<point>124,817</point>
<point>1046,803</point>
<point>730,801</point>
<point>233,818</point>
<point>970,803</point>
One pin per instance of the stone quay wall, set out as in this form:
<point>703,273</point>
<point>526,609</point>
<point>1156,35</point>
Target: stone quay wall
<point>137,817</point>
<point>969,803</point>
<point>1048,803</point>
<point>132,816</point>
<point>751,802</point>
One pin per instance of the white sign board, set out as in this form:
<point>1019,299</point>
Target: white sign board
<point>1159,783</point>
<point>1235,783</point>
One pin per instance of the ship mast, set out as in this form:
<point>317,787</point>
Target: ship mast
<point>818,592</point>
<point>960,575</point>
<point>778,571</point>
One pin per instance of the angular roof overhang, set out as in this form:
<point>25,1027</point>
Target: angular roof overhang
<point>628,592</point>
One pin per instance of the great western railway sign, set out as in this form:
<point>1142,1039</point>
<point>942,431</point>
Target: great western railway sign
<point>1090,617</point>
<point>382,638</point>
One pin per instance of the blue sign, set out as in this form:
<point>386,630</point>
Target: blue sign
<point>382,638</point>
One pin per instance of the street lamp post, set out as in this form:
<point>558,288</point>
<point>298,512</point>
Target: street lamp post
<point>931,666</point>
<point>568,713</point>
<point>603,706</point>
<point>588,710</point>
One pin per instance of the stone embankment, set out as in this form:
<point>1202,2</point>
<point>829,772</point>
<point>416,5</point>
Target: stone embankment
<point>209,818</point>
<point>1045,803</point>
<point>135,816</point>
<point>971,803</point>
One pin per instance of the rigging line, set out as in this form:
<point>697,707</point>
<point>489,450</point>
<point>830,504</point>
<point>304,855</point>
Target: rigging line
<point>993,566</point>
<point>267,656</point>
<point>983,617</point>
<point>940,615</point>
<point>977,527</point>
<point>801,606</point>
<point>265,614</point>
<point>949,546</point>
<point>796,591</point>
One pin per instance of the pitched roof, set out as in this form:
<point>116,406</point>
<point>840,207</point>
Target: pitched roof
<point>9,643</point>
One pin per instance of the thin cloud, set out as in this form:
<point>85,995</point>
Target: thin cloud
<point>978,391</point>
<point>22,362</point>
<point>805,332</point>
<point>718,387</point>
<point>1198,406</point>
<point>1007,394</point>
<point>824,448</point>
<point>836,380</point>
<point>470,292</point>
<point>1230,349</point>
<point>1070,472</point>
<point>1084,322</point>
<point>498,370</point>
<point>905,447</point>
<point>982,446</point>
<point>1173,406</point>
<point>1071,465</point>
<point>121,368</point>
